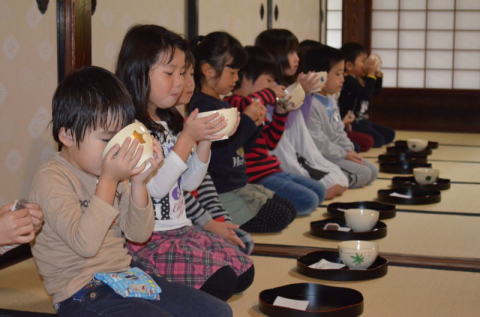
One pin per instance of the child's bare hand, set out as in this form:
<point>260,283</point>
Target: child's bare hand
<point>255,111</point>
<point>16,227</point>
<point>310,82</point>
<point>354,157</point>
<point>204,128</point>
<point>371,66</point>
<point>120,162</point>
<point>225,230</point>
<point>279,90</point>
<point>349,118</point>
<point>143,175</point>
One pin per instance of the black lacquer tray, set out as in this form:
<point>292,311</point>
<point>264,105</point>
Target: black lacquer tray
<point>401,168</point>
<point>317,229</point>
<point>409,182</point>
<point>393,150</point>
<point>401,158</point>
<point>378,269</point>
<point>403,144</point>
<point>325,301</point>
<point>386,211</point>
<point>418,196</point>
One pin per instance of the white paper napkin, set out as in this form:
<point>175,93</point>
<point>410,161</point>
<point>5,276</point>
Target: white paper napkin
<point>291,303</point>
<point>326,265</point>
<point>395,194</point>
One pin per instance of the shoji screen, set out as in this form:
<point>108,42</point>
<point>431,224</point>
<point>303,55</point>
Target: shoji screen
<point>334,23</point>
<point>428,43</point>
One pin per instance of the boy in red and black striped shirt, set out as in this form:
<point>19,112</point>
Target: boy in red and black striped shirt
<point>257,82</point>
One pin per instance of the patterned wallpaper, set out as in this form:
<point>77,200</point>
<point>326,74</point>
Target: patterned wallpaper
<point>113,18</point>
<point>28,77</point>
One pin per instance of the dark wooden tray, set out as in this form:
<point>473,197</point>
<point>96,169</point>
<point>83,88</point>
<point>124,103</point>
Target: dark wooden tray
<point>386,211</point>
<point>401,158</point>
<point>401,168</point>
<point>403,144</point>
<point>325,301</point>
<point>397,150</point>
<point>378,269</point>
<point>316,229</point>
<point>409,182</point>
<point>419,196</point>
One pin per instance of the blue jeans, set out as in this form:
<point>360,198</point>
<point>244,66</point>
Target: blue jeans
<point>98,299</point>
<point>381,135</point>
<point>304,193</point>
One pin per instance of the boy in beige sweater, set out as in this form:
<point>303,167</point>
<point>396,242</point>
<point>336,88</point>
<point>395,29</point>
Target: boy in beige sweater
<point>92,204</point>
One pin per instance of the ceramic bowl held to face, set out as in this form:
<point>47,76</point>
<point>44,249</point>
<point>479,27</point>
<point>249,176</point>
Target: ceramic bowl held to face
<point>138,131</point>
<point>361,220</point>
<point>230,115</point>
<point>297,95</point>
<point>358,254</point>
<point>424,176</point>
<point>417,145</point>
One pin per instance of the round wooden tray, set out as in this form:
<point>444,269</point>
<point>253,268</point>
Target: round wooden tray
<point>386,211</point>
<point>401,158</point>
<point>378,269</point>
<point>326,301</point>
<point>403,144</point>
<point>401,168</point>
<point>397,150</point>
<point>317,229</point>
<point>409,182</point>
<point>416,196</point>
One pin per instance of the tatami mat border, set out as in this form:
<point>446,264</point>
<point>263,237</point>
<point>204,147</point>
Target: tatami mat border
<point>406,260</point>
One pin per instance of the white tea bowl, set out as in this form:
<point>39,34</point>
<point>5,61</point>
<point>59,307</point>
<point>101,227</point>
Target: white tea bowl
<point>425,175</point>
<point>230,115</point>
<point>297,95</point>
<point>358,254</point>
<point>417,145</point>
<point>361,220</point>
<point>135,130</point>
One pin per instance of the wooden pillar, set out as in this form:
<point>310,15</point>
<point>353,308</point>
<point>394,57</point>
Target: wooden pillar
<point>357,22</point>
<point>74,35</point>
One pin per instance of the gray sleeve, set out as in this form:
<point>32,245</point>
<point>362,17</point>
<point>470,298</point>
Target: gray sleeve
<point>319,127</point>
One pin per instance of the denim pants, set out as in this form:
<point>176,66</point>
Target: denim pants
<point>304,193</point>
<point>98,299</point>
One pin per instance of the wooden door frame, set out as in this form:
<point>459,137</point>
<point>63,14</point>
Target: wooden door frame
<point>74,35</point>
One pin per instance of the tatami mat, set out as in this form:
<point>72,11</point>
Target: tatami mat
<point>22,289</point>
<point>407,233</point>
<point>459,198</point>
<point>441,137</point>
<point>402,292</point>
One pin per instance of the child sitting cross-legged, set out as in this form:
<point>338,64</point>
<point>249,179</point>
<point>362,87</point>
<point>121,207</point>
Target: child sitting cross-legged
<point>323,118</point>
<point>93,204</point>
<point>257,81</point>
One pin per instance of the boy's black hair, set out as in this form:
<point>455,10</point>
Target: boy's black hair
<point>320,59</point>
<point>90,98</point>
<point>279,43</point>
<point>305,45</point>
<point>215,49</point>
<point>352,50</point>
<point>259,62</point>
<point>142,47</point>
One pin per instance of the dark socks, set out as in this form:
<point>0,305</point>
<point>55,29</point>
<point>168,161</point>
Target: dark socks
<point>222,284</point>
